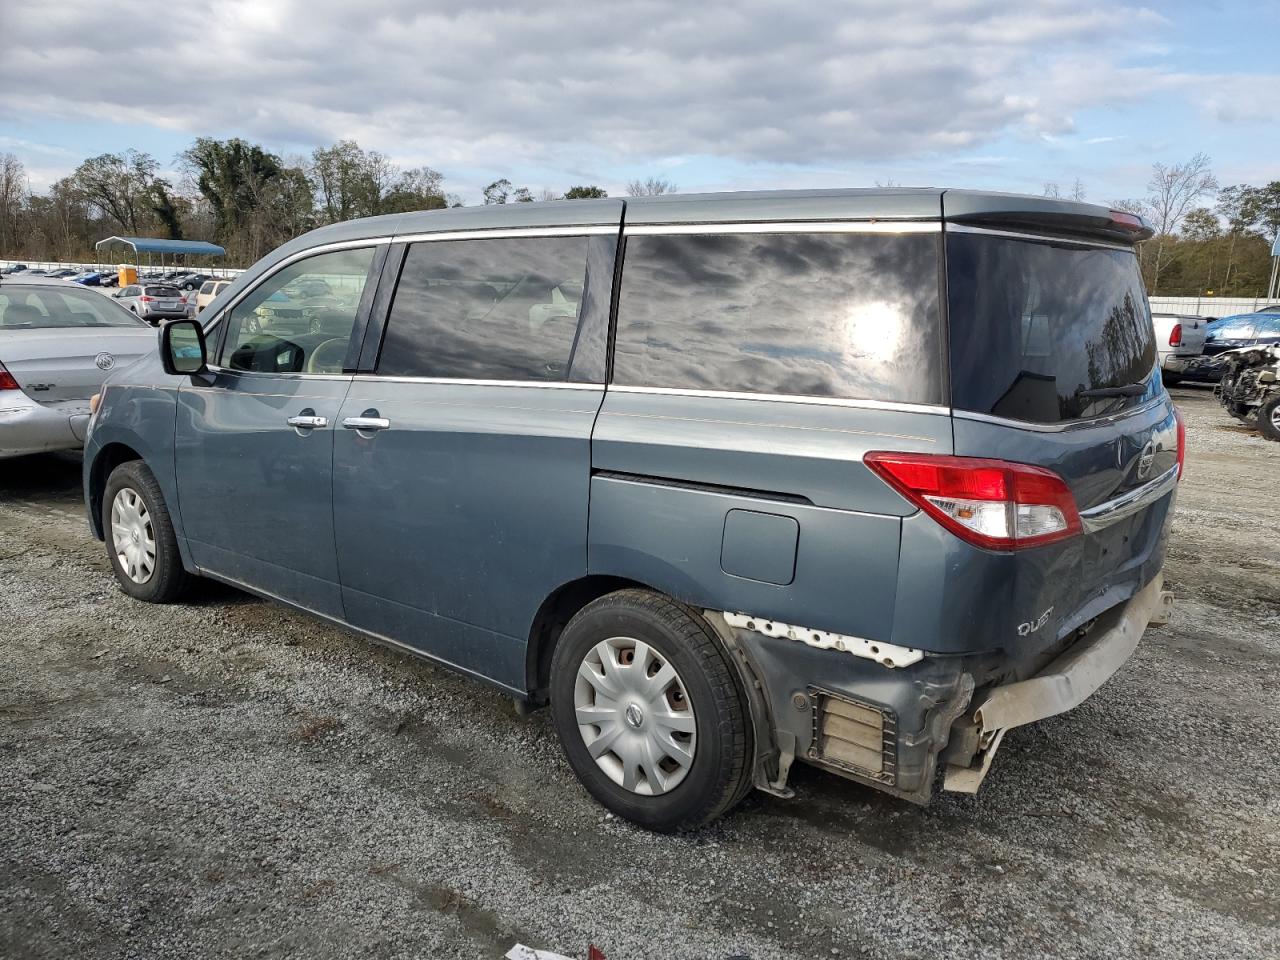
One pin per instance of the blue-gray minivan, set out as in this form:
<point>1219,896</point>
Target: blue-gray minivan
<point>860,478</point>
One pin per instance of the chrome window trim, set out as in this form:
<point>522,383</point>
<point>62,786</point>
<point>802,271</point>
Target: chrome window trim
<point>507,233</point>
<point>284,375</point>
<point>1126,505</point>
<point>787,226</point>
<point>1039,237</point>
<point>465,382</point>
<point>893,405</point>
<point>1058,427</point>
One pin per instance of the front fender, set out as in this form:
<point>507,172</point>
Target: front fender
<point>134,421</point>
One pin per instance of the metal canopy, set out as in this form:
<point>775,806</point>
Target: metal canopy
<point>161,246</point>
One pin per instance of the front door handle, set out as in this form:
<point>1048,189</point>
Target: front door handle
<point>307,423</point>
<point>366,423</point>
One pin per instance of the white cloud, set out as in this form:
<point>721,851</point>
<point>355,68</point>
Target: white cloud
<point>566,85</point>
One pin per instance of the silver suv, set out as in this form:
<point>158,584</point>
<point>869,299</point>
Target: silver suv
<point>860,479</point>
<point>153,302</point>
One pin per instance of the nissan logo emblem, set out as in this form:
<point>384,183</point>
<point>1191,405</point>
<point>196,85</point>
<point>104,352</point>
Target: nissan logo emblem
<point>104,361</point>
<point>1146,459</point>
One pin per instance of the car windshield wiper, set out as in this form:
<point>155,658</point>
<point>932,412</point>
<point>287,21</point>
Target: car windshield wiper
<point>1128,390</point>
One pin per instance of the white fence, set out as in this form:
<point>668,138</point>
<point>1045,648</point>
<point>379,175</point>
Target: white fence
<point>1208,306</point>
<point>111,267</point>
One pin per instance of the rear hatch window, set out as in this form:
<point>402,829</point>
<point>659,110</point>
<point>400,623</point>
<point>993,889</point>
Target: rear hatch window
<point>1043,330</point>
<point>163,292</point>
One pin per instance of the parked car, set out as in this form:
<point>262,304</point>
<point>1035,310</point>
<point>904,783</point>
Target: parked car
<point>1250,387</point>
<point>832,519</point>
<point>153,302</point>
<point>12,269</point>
<point>61,273</point>
<point>208,290</point>
<point>57,343</point>
<point>90,278</point>
<point>1179,340</point>
<point>192,281</point>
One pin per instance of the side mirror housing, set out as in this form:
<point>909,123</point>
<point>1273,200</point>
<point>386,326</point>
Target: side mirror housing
<point>182,349</point>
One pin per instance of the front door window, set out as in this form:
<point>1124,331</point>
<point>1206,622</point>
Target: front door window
<point>299,320</point>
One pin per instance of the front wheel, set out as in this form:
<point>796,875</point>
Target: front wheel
<point>1269,418</point>
<point>650,713</point>
<point>141,544</point>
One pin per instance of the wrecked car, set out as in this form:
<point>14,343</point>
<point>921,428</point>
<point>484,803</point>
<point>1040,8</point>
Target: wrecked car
<point>856,478</point>
<point>1249,386</point>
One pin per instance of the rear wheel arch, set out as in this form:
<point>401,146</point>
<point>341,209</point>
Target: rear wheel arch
<point>554,615</point>
<point>107,459</point>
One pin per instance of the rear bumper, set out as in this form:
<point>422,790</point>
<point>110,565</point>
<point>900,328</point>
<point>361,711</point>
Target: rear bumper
<point>1063,685</point>
<point>28,427</point>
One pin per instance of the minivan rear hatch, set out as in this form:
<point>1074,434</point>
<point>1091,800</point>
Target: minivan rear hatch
<point>1053,363</point>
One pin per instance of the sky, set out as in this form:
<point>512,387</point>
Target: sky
<point>709,95</point>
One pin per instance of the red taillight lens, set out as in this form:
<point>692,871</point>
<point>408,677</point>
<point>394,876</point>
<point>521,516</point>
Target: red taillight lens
<point>1182,440</point>
<point>146,299</point>
<point>989,503</point>
<point>6,380</point>
<point>1175,335</point>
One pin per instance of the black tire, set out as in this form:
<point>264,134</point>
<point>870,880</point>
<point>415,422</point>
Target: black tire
<point>167,580</point>
<point>720,772</point>
<point>1269,418</point>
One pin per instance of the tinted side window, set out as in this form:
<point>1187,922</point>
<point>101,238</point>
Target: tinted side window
<point>503,309</point>
<point>852,315</point>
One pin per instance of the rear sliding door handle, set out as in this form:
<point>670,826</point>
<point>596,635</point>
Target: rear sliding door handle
<point>366,423</point>
<point>307,423</point>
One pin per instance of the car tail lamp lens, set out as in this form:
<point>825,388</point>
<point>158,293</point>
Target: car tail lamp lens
<point>993,504</point>
<point>146,299</point>
<point>1182,440</point>
<point>1175,335</point>
<point>6,380</point>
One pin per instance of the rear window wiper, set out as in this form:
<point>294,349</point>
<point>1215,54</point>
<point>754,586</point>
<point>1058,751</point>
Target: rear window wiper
<point>1128,390</point>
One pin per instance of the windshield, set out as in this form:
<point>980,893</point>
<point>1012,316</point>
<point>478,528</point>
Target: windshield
<point>1039,328</point>
<point>34,308</point>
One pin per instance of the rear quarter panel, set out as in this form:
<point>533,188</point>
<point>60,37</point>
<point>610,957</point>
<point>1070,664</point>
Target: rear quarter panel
<point>668,470</point>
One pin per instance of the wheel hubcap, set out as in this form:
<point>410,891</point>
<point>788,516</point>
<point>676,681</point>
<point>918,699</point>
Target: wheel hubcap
<point>1275,417</point>
<point>634,715</point>
<point>132,537</point>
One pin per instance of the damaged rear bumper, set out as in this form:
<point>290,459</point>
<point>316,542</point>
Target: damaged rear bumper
<point>1063,685</point>
<point>887,717</point>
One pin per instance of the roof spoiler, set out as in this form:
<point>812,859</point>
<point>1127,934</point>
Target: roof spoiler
<point>1044,215</point>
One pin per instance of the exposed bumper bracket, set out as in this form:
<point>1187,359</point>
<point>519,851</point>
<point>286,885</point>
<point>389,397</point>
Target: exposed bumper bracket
<point>1064,684</point>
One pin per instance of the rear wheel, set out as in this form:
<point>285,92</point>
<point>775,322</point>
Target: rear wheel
<point>141,544</point>
<point>1269,418</point>
<point>649,711</point>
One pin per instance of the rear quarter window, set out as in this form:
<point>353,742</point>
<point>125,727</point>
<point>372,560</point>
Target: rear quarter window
<point>842,315</point>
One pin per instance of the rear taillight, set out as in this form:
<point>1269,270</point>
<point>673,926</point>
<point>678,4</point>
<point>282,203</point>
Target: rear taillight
<point>1182,440</point>
<point>989,503</point>
<point>146,299</point>
<point>182,299</point>
<point>1175,335</point>
<point>6,380</point>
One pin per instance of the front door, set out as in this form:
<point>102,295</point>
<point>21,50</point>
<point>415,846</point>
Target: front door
<point>462,459</point>
<point>254,448</point>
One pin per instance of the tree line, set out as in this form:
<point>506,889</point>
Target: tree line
<point>1209,239</point>
<point>232,192</point>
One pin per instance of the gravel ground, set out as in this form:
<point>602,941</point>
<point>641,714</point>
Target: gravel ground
<point>231,778</point>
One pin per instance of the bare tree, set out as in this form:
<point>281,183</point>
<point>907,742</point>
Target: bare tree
<point>1171,195</point>
<point>651,187</point>
<point>13,194</point>
<point>1051,190</point>
<point>1077,190</point>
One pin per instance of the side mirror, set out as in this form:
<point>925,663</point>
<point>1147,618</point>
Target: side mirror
<point>182,348</point>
